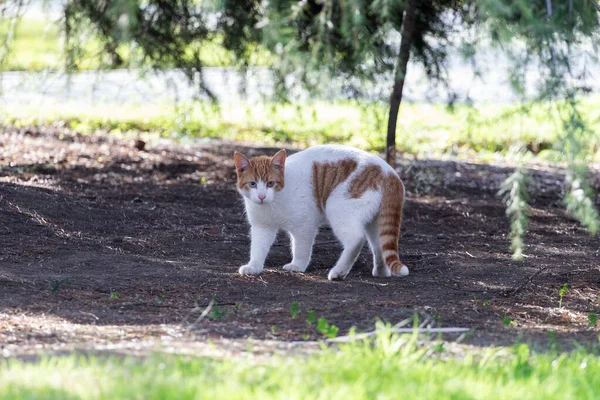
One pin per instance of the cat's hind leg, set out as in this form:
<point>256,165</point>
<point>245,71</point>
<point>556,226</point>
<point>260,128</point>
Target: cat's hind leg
<point>302,242</point>
<point>351,233</point>
<point>380,269</point>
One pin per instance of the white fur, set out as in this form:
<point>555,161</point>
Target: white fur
<point>261,194</point>
<point>293,209</point>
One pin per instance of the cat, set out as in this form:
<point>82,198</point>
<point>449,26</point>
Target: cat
<point>356,193</point>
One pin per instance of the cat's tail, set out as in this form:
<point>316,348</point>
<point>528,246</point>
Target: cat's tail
<point>390,219</point>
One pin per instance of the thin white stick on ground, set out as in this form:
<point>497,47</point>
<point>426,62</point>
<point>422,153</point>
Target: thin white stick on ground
<point>399,330</point>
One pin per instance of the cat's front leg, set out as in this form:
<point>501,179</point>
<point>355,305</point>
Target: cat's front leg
<point>302,243</point>
<point>262,238</point>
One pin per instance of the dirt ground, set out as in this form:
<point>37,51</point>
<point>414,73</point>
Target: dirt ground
<point>106,247</point>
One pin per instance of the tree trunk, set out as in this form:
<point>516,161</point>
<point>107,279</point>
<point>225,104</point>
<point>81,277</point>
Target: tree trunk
<point>408,25</point>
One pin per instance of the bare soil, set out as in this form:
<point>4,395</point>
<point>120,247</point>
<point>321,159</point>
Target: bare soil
<point>103,246</point>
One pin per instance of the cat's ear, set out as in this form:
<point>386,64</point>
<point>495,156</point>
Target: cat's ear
<point>278,160</point>
<point>241,161</point>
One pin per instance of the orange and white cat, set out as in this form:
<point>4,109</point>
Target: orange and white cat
<point>356,193</point>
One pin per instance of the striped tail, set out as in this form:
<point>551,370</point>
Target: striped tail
<point>390,219</point>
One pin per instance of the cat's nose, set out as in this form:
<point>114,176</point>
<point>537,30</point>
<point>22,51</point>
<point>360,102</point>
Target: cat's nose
<point>261,197</point>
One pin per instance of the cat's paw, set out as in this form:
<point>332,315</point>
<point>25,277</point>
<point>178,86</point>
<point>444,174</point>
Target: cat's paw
<point>293,267</point>
<point>382,272</point>
<point>250,269</point>
<point>403,271</point>
<point>337,275</point>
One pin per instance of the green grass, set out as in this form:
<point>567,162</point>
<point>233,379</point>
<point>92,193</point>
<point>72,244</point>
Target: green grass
<point>37,45</point>
<point>392,367</point>
<point>488,131</point>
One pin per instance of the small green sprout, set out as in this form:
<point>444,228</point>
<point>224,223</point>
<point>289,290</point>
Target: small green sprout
<point>326,329</point>
<point>217,314</point>
<point>563,291</point>
<point>294,309</point>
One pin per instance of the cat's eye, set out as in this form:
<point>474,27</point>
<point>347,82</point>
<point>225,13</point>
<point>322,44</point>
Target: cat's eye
<point>270,184</point>
<point>252,184</point>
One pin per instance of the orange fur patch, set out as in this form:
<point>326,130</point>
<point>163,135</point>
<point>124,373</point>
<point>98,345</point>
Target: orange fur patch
<point>327,176</point>
<point>368,179</point>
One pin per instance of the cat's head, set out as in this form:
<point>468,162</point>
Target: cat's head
<point>260,178</point>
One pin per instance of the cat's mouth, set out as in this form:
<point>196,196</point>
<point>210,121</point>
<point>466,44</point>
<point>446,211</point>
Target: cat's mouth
<point>262,200</point>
